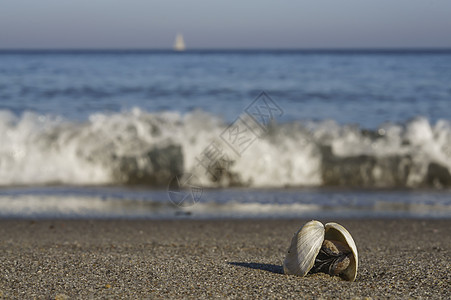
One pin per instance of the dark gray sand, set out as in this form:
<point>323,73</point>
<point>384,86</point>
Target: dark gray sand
<point>214,259</point>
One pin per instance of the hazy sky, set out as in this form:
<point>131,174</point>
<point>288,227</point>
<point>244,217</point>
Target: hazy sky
<point>225,24</point>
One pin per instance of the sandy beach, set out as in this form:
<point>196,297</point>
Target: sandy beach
<point>69,259</point>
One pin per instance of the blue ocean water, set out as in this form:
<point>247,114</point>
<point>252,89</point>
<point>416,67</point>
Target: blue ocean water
<point>366,88</point>
<point>103,133</point>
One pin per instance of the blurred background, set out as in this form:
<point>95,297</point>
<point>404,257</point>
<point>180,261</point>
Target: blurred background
<point>103,104</point>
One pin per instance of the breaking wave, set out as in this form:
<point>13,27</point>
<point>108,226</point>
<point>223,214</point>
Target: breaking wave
<point>141,148</point>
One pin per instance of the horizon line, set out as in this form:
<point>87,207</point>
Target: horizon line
<point>262,49</point>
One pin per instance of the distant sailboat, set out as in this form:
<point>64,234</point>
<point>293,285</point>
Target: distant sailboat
<point>179,44</point>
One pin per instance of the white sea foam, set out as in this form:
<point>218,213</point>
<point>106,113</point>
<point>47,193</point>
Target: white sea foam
<point>138,147</point>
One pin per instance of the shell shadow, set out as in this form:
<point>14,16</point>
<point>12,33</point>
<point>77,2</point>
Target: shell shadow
<point>258,266</point>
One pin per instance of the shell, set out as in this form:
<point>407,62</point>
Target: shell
<point>334,231</point>
<point>304,248</point>
<point>307,242</point>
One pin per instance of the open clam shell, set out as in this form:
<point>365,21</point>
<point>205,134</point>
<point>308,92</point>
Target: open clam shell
<point>319,248</point>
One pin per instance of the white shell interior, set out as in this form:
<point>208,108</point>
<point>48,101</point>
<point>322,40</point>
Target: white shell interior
<point>334,231</point>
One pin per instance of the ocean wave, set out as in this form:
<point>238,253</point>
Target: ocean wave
<point>142,148</point>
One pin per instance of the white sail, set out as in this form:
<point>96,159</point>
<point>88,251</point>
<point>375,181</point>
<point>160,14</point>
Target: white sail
<point>179,44</point>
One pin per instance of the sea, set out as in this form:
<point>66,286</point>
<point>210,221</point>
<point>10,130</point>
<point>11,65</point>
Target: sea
<point>208,134</point>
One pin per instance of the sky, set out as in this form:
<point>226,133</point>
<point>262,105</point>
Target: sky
<point>232,24</point>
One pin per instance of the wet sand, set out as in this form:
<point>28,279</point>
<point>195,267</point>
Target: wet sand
<point>214,259</point>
